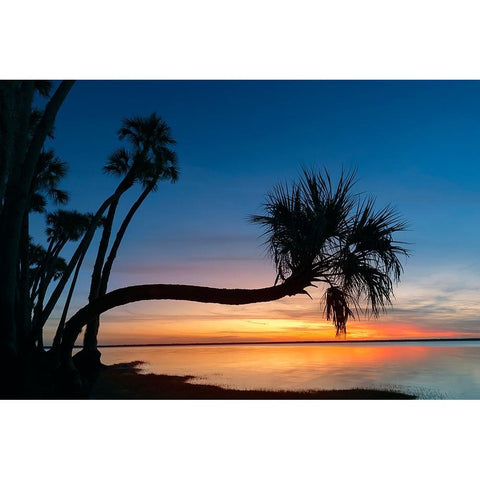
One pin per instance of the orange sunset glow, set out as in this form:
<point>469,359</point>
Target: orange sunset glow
<point>413,315</point>
<point>261,330</point>
<point>194,323</point>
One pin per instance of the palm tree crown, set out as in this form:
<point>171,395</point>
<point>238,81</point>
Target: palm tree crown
<point>49,172</point>
<point>67,225</point>
<point>150,158</point>
<point>327,234</point>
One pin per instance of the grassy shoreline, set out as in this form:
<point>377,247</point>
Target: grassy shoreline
<point>124,381</point>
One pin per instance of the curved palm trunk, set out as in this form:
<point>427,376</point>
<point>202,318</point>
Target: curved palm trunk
<point>37,310</point>
<point>102,252</point>
<point>91,333</point>
<point>81,250</point>
<point>225,296</point>
<point>90,338</point>
<point>45,280</point>
<point>61,325</point>
<point>118,239</point>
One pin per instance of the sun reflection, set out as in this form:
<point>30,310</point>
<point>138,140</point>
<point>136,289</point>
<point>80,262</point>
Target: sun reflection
<point>276,366</point>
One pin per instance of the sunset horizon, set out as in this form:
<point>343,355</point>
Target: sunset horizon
<point>382,129</point>
<point>322,226</point>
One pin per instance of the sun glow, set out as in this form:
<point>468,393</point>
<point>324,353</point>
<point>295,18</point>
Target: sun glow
<point>414,315</point>
<point>193,330</point>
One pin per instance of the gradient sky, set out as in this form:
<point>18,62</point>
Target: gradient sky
<point>416,145</point>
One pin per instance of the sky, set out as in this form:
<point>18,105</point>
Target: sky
<point>415,145</point>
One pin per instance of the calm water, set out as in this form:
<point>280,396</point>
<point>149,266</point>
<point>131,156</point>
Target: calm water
<point>429,369</point>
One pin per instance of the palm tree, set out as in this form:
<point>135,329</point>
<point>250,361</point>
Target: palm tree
<point>62,226</point>
<point>50,170</point>
<point>48,174</point>
<point>61,325</point>
<point>314,233</point>
<point>20,148</point>
<point>165,168</point>
<point>131,168</point>
<point>127,181</point>
<point>151,161</point>
<point>334,237</point>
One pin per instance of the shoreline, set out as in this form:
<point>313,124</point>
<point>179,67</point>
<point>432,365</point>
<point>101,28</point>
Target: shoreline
<point>293,342</point>
<point>123,381</point>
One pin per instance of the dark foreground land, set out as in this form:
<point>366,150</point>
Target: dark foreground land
<point>124,381</point>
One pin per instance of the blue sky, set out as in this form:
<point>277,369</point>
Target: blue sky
<point>415,145</point>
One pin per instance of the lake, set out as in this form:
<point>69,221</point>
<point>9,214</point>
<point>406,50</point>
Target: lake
<point>431,370</point>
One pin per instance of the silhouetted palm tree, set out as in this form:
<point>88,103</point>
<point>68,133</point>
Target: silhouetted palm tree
<point>48,174</point>
<point>150,160</point>
<point>165,168</point>
<point>314,233</point>
<point>62,226</point>
<point>78,229</point>
<point>131,167</point>
<point>331,236</point>
<point>20,148</point>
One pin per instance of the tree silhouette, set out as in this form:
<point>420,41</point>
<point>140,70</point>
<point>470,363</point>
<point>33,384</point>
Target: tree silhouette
<point>62,226</point>
<point>49,172</point>
<point>336,238</point>
<point>314,233</point>
<point>148,160</point>
<point>58,334</point>
<point>21,142</point>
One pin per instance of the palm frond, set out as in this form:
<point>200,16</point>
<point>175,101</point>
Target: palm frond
<point>325,233</point>
<point>119,162</point>
<point>141,132</point>
<point>337,309</point>
<point>50,170</point>
<point>59,196</point>
<point>67,225</point>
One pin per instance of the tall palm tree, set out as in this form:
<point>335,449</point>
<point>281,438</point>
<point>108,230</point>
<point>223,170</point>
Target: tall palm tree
<point>314,233</point>
<point>165,168</point>
<point>151,160</point>
<point>131,168</point>
<point>39,258</point>
<point>50,170</point>
<point>48,174</point>
<point>62,226</point>
<point>127,181</point>
<point>19,152</point>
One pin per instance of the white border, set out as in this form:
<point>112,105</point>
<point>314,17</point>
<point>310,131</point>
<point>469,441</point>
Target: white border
<point>250,39</point>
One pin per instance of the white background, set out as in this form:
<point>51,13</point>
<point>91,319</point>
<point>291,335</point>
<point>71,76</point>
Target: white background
<point>239,40</point>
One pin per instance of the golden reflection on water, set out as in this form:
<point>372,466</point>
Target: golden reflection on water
<point>450,370</point>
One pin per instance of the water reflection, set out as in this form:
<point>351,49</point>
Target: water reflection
<point>431,370</point>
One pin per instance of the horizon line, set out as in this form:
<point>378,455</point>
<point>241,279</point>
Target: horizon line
<point>294,342</point>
